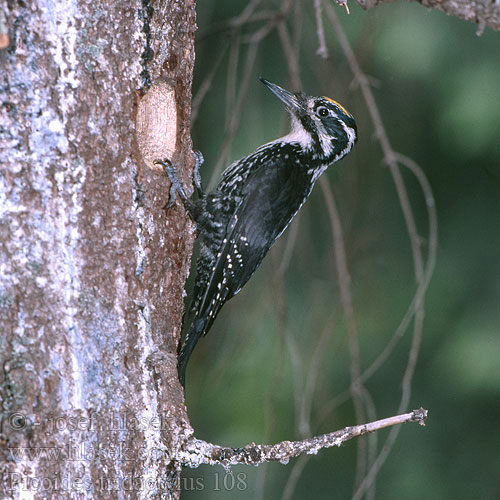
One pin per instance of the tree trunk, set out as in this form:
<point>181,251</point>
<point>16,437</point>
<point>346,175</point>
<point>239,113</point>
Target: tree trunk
<point>92,270</point>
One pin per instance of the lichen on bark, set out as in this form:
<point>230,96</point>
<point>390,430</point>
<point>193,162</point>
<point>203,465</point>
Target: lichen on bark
<point>92,269</point>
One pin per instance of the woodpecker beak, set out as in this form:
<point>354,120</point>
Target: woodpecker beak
<point>290,100</point>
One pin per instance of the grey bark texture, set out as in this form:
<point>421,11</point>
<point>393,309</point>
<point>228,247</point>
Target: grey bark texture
<point>92,270</point>
<point>484,13</point>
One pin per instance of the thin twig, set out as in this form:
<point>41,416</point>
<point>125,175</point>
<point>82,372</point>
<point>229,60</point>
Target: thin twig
<point>344,281</point>
<point>196,452</point>
<point>322,50</point>
<point>247,16</point>
<point>258,454</point>
<point>291,239</point>
<point>419,293</point>
<point>293,230</point>
<point>391,160</point>
<point>298,366</point>
<point>294,476</point>
<point>429,265</point>
<point>371,455</point>
<point>271,395</point>
<point>290,341</point>
<point>298,21</point>
<point>235,118</point>
<point>290,56</point>
<point>253,41</point>
<point>312,377</point>
<point>343,274</point>
<point>206,85</point>
<point>232,72</point>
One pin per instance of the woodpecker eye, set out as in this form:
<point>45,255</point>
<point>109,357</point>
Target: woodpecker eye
<point>322,111</point>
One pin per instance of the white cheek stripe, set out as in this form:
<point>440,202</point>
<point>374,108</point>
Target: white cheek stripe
<point>350,143</point>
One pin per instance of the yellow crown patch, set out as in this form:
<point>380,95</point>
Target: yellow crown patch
<point>338,105</point>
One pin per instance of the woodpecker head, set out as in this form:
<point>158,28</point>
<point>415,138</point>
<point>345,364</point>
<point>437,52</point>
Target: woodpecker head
<point>320,125</point>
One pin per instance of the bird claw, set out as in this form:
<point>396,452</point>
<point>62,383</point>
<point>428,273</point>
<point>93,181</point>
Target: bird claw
<point>175,185</point>
<point>172,197</point>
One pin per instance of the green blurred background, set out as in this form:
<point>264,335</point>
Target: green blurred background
<point>437,85</point>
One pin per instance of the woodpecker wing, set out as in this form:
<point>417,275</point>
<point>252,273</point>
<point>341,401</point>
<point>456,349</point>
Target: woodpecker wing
<point>274,191</point>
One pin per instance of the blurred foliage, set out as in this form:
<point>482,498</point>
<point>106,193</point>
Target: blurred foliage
<point>437,86</point>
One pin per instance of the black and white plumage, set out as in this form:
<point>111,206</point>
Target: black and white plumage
<point>255,200</point>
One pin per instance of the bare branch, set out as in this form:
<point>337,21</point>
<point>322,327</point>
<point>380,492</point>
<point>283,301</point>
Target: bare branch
<point>294,476</point>
<point>247,16</point>
<point>196,451</point>
<point>206,85</point>
<point>422,273</point>
<point>322,50</point>
<point>235,118</point>
<point>290,55</point>
<point>484,14</point>
<point>344,281</point>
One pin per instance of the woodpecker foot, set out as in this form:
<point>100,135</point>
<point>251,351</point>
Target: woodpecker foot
<point>176,186</point>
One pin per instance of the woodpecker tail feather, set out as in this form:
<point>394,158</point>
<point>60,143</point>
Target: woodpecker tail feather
<point>195,332</point>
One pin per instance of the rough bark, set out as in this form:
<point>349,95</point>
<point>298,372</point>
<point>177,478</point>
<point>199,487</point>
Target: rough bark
<point>485,13</point>
<point>92,270</point>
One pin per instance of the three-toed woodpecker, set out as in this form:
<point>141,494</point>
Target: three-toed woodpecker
<point>255,200</point>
